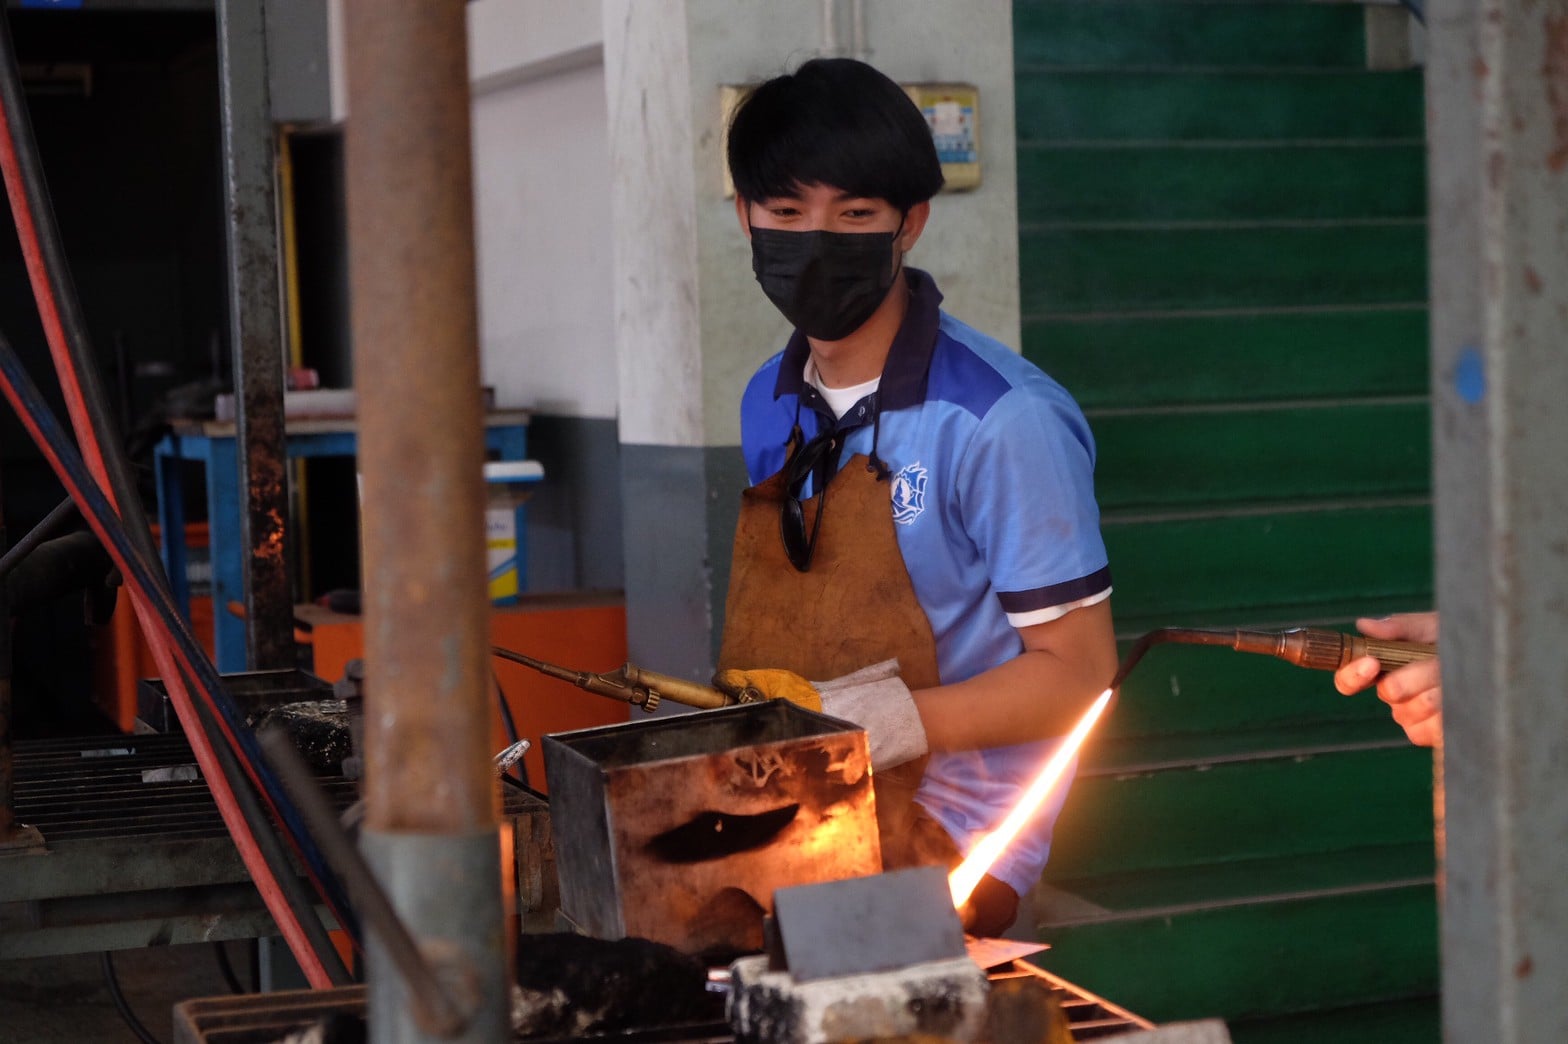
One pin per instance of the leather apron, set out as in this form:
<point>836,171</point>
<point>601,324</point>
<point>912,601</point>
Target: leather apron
<point>855,606</point>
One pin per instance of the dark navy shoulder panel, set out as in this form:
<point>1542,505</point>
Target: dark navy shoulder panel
<point>962,374</point>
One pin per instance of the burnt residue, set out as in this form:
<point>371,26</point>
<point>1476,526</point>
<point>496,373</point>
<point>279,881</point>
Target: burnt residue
<point>568,985</point>
<point>939,1012</point>
<point>714,835</point>
<point>828,776</point>
<point>319,729</point>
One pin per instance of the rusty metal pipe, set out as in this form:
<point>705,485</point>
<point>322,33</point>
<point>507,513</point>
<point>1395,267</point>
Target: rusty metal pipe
<point>430,818</point>
<point>416,369</point>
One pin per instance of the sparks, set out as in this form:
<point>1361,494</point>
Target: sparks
<point>967,874</point>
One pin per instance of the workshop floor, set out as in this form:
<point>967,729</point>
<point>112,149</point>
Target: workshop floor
<point>54,1000</point>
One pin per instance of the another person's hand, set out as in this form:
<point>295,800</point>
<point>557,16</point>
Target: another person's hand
<point>874,697</point>
<point>1414,691</point>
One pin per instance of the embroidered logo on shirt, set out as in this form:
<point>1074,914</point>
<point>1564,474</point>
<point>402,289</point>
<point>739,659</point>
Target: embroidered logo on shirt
<point>909,493</point>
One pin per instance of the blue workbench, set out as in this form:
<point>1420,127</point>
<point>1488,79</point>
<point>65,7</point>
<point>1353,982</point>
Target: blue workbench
<point>212,445</point>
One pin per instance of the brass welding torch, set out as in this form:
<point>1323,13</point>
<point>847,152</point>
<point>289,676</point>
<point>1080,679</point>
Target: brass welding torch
<point>1308,647</point>
<point>632,684</point>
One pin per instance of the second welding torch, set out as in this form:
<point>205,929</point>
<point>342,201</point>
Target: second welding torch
<point>1308,647</point>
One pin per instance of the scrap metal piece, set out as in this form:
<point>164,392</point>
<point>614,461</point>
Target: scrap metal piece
<point>868,924</point>
<point>509,756</point>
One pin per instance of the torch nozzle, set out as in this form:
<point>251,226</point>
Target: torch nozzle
<point>1307,647</point>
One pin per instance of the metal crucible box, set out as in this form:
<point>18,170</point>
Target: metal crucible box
<point>679,829</point>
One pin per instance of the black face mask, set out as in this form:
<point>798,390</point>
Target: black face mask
<point>826,283</point>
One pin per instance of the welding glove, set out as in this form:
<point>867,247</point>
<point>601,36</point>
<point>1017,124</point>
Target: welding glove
<point>874,697</point>
<point>770,683</point>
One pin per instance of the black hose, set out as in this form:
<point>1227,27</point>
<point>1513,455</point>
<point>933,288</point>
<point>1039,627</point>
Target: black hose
<point>131,518</point>
<point>46,430</point>
<point>293,890</point>
<point>121,1005</point>
<point>226,968</point>
<point>68,308</point>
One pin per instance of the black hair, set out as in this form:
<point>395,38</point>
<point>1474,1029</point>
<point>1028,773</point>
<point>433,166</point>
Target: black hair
<point>838,122</point>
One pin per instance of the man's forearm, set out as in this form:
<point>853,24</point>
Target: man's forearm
<point>1036,695</point>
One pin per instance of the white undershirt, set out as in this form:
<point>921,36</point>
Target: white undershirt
<point>839,400</point>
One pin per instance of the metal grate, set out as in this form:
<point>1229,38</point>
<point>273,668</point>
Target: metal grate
<point>267,1017</point>
<point>1088,1016</point>
<point>112,787</point>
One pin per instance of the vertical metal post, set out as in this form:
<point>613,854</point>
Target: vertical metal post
<point>256,329</point>
<point>430,823</point>
<point>7,764</point>
<point>7,754</point>
<point>1498,138</point>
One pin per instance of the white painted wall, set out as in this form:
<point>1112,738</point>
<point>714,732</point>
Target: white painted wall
<point>541,204</point>
<point>541,201</point>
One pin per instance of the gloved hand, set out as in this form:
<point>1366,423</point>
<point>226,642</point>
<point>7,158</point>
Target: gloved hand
<point>874,697</point>
<point>773,683</point>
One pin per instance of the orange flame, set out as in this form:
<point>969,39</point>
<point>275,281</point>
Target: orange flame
<point>967,874</point>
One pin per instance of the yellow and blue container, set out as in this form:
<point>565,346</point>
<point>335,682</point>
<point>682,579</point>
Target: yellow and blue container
<point>508,483</point>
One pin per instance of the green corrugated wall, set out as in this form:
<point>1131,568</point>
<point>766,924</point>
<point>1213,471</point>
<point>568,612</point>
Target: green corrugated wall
<point>1223,254</point>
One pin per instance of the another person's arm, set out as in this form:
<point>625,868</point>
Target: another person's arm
<point>1415,691</point>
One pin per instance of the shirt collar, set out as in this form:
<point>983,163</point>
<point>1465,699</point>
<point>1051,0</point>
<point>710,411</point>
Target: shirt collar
<point>908,360</point>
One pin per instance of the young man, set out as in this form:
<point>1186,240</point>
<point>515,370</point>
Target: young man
<point>921,493</point>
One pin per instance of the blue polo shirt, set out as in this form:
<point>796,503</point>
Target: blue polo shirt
<point>992,493</point>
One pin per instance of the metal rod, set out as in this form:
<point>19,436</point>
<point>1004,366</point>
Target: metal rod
<point>420,435</point>
<point>430,797</point>
<point>37,535</point>
<point>255,330</point>
<point>434,1009</point>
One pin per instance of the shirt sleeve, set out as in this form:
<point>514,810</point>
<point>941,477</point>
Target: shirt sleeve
<point>1027,496</point>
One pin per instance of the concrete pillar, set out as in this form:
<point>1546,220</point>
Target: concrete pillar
<point>690,323</point>
<point>1498,104</point>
